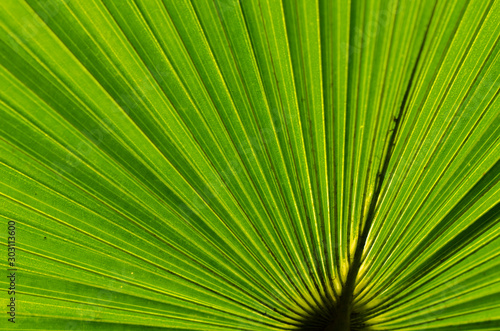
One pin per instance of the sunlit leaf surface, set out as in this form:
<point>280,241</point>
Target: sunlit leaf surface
<point>251,164</point>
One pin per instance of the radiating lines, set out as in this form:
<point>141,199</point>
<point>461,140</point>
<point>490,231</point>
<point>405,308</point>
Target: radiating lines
<point>251,164</point>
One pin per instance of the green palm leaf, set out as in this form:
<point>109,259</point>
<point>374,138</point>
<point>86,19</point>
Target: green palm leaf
<point>250,164</point>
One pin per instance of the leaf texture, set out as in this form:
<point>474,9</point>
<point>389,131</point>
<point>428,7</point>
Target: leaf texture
<point>233,164</point>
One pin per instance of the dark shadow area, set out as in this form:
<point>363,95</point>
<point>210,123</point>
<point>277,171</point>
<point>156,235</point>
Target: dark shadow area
<point>314,322</point>
<point>318,321</point>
